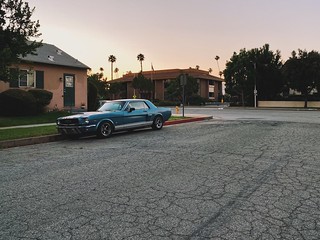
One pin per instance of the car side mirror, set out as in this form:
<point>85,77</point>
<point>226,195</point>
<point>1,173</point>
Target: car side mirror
<point>131,109</point>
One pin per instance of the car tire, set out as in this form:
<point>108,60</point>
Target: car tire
<point>157,123</point>
<point>105,130</point>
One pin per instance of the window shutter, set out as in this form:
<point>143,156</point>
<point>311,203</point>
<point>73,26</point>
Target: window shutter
<point>40,79</point>
<point>14,78</point>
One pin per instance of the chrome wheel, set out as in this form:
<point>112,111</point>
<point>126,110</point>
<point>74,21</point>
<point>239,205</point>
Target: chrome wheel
<point>157,123</point>
<point>105,130</point>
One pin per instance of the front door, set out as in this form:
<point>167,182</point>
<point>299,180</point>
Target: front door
<point>69,90</point>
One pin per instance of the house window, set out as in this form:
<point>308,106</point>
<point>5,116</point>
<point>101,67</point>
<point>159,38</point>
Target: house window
<point>211,91</point>
<point>26,78</point>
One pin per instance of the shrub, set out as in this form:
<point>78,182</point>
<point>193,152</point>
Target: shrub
<point>43,98</point>
<point>197,100</point>
<point>17,102</point>
<point>166,103</point>
<point>92,97</point>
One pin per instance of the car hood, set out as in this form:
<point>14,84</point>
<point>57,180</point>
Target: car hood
<point>86,114</point>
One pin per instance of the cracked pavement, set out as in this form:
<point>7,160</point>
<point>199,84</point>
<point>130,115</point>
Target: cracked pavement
<point>207,180</point>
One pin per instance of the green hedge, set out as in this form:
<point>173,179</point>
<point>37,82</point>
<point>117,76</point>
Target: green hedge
<point>43,98</point>
<point>17,102</point>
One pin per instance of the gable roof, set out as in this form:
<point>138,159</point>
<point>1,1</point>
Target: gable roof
<point>50,54</point>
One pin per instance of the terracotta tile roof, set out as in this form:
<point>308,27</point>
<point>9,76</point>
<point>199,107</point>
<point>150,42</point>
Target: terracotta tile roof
<point>169,74</point>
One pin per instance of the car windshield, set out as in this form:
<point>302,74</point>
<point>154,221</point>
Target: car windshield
<point>112,106</point>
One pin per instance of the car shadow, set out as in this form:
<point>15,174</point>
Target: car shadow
<point>114,134</point>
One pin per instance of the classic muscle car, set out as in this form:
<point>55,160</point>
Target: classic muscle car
<point>117,115</point>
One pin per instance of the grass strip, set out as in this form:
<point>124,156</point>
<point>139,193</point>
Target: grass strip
<point>18,133</point>
<point>49,117</point>
<point>172,118</point>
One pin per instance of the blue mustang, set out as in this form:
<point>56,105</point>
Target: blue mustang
<point>117,115</point>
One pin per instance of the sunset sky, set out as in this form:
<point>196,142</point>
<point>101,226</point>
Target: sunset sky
<point>175,33</point>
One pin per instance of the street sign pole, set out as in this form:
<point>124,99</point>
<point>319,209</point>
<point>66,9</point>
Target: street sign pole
<point>183,82</point>
<point>183,101</point>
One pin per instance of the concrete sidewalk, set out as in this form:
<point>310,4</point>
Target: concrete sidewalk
<point>58,137</point>
<point>28,126</point>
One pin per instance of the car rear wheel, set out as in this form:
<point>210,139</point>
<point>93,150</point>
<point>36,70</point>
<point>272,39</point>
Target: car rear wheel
<point>105,130</point>
<point>157,123</point>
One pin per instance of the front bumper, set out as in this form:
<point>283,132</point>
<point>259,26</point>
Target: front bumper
<point>76,130</point>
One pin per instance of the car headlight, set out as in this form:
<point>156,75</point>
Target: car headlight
<point>86,120</point>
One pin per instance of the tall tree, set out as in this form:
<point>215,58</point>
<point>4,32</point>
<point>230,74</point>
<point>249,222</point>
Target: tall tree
<point>302,72</point>
<point>140,58</point>
<point>258,67</point>
<point>236,76</point>
<point>175,89</point>
<point>143,84</point>
<point>117,90</point>
<point>112,59</point>
<point>267,72</point>
<point>16,31</point>
<point>100,84</point>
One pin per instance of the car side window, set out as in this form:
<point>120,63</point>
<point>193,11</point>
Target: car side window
<point>137,105</point>
<point>116,106</point>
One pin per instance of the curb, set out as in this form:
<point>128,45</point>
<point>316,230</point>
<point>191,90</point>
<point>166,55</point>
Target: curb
<point>58,137</point>
<point>30,141</point>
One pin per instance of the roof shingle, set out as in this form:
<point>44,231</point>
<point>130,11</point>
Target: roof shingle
<point>50,54</point>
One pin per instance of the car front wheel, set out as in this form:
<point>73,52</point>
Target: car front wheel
<point>105,130</point>
<point>157,123</point>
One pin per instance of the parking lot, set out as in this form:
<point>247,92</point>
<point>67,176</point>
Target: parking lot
<point>241,175</point>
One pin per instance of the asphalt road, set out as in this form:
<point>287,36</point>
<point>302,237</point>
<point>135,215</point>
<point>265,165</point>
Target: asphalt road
<point>239,176</point>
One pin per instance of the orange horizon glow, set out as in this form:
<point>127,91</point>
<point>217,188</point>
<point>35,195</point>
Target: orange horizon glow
<point>175,34</point>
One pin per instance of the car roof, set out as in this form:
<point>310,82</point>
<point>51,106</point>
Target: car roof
<point>133,99</point>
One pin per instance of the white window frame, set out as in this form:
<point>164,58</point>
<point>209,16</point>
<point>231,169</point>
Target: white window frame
<point>31,78</point>
<point>211,92</point>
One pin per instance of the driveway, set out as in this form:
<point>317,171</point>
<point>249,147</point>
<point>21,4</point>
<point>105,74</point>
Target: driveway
<point>216,179</point>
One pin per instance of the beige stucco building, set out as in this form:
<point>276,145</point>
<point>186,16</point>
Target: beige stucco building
<point>210,87</point>
<point>56,71</point>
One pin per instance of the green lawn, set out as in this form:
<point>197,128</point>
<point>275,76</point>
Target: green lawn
<point>49,117</point>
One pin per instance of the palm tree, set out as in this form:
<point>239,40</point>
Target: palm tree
<point>140,58</point>
<point>101,73</point>
<point>217,59</point>
<point>112,59</point>
<point>116,70</point>
<point>197,67</point>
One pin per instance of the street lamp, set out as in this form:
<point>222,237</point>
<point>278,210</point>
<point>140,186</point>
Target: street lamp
<point>255,92</point>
